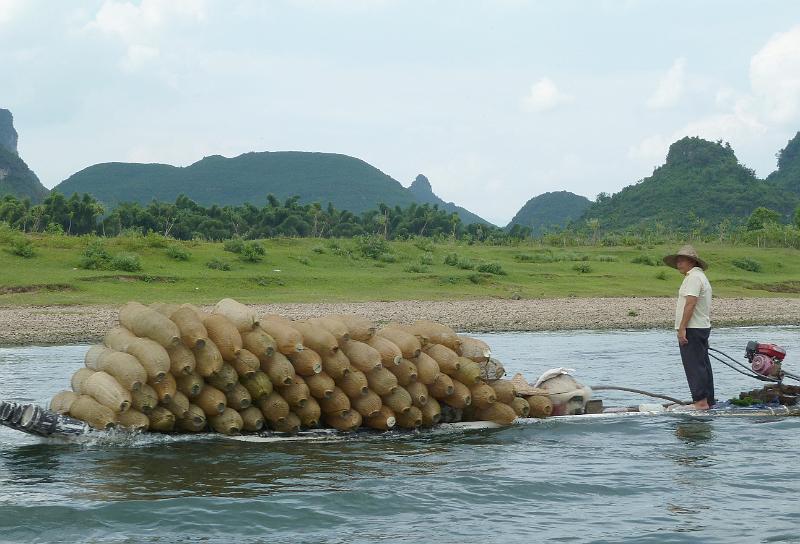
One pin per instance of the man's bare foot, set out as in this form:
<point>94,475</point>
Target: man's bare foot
<point>701,405</point>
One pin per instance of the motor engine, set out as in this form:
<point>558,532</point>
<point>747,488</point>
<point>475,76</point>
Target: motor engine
<point>765,359</point>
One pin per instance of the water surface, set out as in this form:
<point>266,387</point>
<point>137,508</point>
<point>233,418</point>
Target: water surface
<point>651,479</point>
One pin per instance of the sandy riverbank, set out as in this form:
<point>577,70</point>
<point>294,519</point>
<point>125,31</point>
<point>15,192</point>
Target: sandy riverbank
<point>77,324</point>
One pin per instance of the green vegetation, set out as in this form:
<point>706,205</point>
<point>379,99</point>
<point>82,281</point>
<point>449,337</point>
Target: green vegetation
<point>548,211</point>
<point>746,263</point>
<point>701,187</point>
<point>345,182</point>
<point>80,270</point>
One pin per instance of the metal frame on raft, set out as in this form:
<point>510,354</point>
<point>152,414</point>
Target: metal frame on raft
<point>35,420</point>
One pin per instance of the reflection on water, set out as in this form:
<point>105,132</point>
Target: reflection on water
<point>652,479</point>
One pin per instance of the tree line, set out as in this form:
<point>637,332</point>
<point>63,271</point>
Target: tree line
<point>185,219</point>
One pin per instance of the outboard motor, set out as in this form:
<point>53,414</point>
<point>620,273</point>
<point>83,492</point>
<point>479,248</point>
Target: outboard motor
<point>765,359</point>
<point>33,419</point>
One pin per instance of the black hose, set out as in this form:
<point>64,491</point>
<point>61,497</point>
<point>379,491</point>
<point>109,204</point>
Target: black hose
<point>638,391</point>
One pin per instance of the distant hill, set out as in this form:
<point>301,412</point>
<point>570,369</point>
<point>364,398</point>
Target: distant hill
<point>549,210</point>
<point>700,179</point>
<point>15,177</point>
<point>349,183</point>
<point>422,190</point>
<point>787,176</point>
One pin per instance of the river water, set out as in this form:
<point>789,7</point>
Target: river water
<point>648,479</point>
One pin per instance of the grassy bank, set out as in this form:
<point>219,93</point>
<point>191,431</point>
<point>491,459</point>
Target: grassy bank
<point>314,270</point>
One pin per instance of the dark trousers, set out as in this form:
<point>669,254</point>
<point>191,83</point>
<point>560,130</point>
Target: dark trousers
<point>697,365</point>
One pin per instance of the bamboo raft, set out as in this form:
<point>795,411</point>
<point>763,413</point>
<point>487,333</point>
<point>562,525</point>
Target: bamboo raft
<point>35,420</point>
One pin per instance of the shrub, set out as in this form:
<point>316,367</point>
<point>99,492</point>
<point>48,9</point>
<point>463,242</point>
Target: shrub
<point>645,260</point>
<point>423,244</point>
<point>535,258</point>
<point>426,259</point>
<point>478,279</point>
<point>218,264</point>
<point>583,268</point>
<point>234,245</point>
<point>416,269</point>
<point>156,240</point>
<point>177,252</point>
<point>606,259</point>
<point>372,246</point>
<point>318,249</point>
<point>252,252</point>
<point>127,262</point>
<point>747,264</point>
<point>95,257</point>
<point>662,275</point>
<point>492,268</point>
<point>22,247</point>
<point>451,259</point>
<point>54,229</point>
<point>304,261</point>
<point>465,264</point>
<point>388,258</point>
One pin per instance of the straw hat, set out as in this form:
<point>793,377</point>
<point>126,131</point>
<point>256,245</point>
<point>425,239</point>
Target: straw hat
<point>685,251</point>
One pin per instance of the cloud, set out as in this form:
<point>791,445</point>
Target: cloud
<point>670,87</point>
<point>140,27</point>
<point>544,96</point>
<point>775,76</point>
<point>9,9</point>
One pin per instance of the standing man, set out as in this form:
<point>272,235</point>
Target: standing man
<point>693,324</point>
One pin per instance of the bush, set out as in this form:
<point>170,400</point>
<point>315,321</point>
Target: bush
<point>156,240</point>
<point>451,259</point>
<point>95,257</point>
<point>372,246</point>
<point>465,264</point>
<point>583,268</point>
<point>318,249</point>
<point>662,275</point>
<point>234,245</point>
<point>426,259</point>
<point>416,269</point>
<point>492,268</point>
<point>22,247</point>
<point>535,258</point>
<point>55,229</point>
<point>478,279</point>
<point>606,259</point>
<point>388,258</point>
<point>304,261</point>
<point>127,262</point>
<point>252,252</point>
<point>747,264</point>
<point>179,253</point>
<point>218,264</point>
<point>645,260</point>
<point>423,244</point>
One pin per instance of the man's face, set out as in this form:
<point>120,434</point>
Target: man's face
<point>685,264</point>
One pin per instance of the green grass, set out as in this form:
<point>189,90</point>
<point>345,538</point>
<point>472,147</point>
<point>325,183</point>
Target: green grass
<point>295,270</point>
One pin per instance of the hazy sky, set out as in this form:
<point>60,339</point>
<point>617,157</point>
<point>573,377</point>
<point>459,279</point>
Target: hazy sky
<point>495,101</point>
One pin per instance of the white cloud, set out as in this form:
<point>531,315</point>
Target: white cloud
<point>544,95</point>
<point>775,76</point>
<point>9,9</point>
<point>134,22</point>
<point>670,87</point>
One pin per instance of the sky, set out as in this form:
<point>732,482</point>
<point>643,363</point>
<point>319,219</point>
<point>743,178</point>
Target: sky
<point>494,101</point>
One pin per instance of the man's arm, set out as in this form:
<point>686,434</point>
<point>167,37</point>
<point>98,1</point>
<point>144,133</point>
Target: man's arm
<point>688,310</point>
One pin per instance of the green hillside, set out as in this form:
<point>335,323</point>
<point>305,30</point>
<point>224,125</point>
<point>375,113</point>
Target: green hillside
<point>549,210</point>
<point>422,190</point>
<point>349,183</point>
<point>700,180</point>
<point>787,176</point>
<point>17,179</point>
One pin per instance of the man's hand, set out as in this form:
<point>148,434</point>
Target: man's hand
<point>682,340</point>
